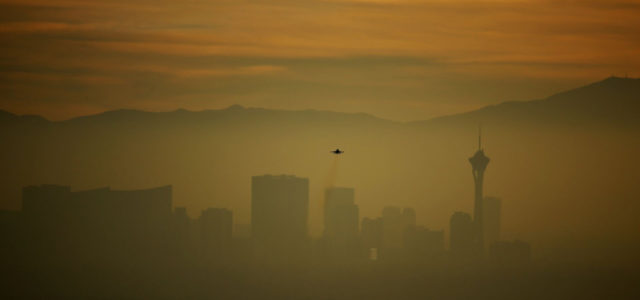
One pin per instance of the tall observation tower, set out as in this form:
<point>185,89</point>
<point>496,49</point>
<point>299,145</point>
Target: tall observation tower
<point>479,163</point>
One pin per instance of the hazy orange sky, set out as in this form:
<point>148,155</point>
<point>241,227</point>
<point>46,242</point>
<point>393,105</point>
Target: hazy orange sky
<point>403,60</point>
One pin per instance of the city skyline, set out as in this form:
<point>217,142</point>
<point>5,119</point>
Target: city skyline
<point>279,223</point>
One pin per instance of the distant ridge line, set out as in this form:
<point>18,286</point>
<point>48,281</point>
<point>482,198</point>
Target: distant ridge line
<point>612,80</point>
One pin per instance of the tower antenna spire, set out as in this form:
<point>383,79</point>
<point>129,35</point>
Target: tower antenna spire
<point>479,136</point>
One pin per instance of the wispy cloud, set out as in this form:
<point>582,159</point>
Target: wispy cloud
<point>265,52</point>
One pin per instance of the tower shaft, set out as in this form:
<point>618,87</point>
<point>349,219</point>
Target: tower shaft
<point>477,206</point>
<point>479,163</point>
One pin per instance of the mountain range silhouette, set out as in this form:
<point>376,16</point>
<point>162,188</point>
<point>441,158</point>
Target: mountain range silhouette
<point>613,99</point>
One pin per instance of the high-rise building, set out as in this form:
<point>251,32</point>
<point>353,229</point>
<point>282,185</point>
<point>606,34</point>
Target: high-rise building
<point>422,244</point>
<point>341,217</point>
<point>340,212</point>
<point>461,236</point>
<point>10,234</point>
<point>216,229</point>
<point>279,216</point>
<point>182,230</point>
<point>408,217</point>
<point>371,237</point>
<point>491,218</point>
<point>395,222</point>
<point>392,229</point>
<point>479,163</point>
<point>100,224</point>
<point>242,231</point>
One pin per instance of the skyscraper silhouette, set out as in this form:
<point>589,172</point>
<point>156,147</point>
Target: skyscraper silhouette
<point>392,231</point>
<point>408,217</point>
<point>182,228</point>
<point>341,217</point>
<point>279,216</point>
<point>100,225</point>
<point>491,219</point>
<point>340,212</point>
<point>371,234</point>
<point>422,244</point>
<point>216,227</point>
<point>461,236</point>
<point>479,163</point>
<point>395,222</point>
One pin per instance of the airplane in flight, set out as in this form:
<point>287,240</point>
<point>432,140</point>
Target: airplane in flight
<point>337,151</point>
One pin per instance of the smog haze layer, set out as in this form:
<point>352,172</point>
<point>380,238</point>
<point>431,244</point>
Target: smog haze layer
<point>320,149</point>
<point>564,165</point>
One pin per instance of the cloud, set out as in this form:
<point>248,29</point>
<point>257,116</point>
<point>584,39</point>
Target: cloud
<point>60,78</point>
<point>239,71</point>
<point>268,52</point>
